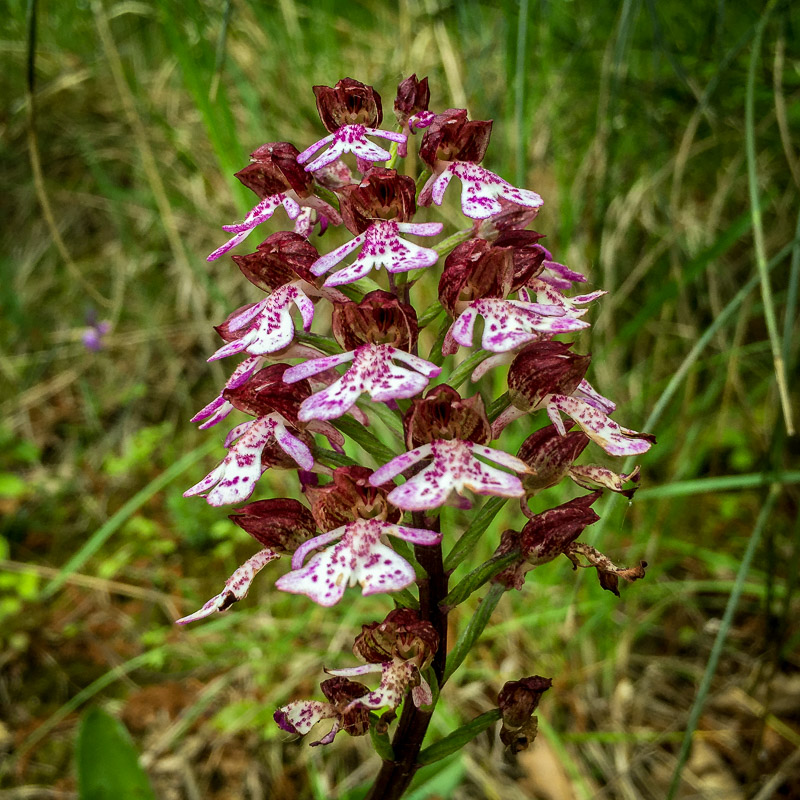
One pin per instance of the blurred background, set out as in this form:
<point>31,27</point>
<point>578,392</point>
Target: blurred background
<point>663,139</point>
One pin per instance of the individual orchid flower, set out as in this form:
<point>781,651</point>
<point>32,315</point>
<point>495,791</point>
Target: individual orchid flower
<point>509,324</point>
<point>236,587</point>
<point>382,247</point>
<point>454,469</point>
<point>613,438</point>
<point>358,557</point>
<point>264,209</point>
<point>396,676</point>
<point>349,139</point>
<point>219,408</point>
<point>300,716</point>
<point>271,326</point>
<point>372,372</point>
<point>543,292</point>
<point>480,190</point>
<point>234,479</point>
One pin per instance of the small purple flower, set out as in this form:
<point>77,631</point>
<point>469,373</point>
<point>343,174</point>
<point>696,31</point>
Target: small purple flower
<point>372,372</point>
<point>234,479</point>
<point>236,587</point>
<point>454,469</point>
<point>480,190</point>
<point>359,557</point>
<point>272,327</point>
<point>349,139</point>
<point>382,248</point>
<point>509,324</point>
<point>92,337</point>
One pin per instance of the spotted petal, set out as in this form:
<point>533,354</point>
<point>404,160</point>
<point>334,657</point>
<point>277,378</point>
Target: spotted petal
<point>236,587</point>
<point>512,323</point>
<point>349,139</point>
<point>480,190</point>
<point>613,438</point>
<point>454,468</point>
<point>271,327</point>
<point>359,557</point>
<point>372,372</point>
<point>261,212</point>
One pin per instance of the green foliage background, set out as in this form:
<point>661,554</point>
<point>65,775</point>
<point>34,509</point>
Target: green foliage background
<point>630,120</point>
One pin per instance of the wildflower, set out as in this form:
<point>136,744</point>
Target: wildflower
<point>451,136</point>
<point>396,676</point>
<point>93,336</point>
<point>442,414</point>
<point>359,557</point>
<point>234,479</point>
<point>454,468</point>
<point>382,247</point>
<point>219,408</point>
<point>372,372</point>
<point>481,190</point>
<point>350,139</point>
<point>301,716</point>
<point>279,525</point>
<point>380,318</point>
<point>271,327</point>
<point>508,324</point>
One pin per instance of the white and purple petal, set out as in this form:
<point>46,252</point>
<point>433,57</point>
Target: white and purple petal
<point>236,587</point>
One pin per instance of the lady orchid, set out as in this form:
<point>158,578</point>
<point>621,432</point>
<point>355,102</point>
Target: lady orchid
<point>359,525</point>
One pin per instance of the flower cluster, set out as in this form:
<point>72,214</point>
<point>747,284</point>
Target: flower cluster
<point>364,377</point>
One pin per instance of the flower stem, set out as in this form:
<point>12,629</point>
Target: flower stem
<point>395,776</point>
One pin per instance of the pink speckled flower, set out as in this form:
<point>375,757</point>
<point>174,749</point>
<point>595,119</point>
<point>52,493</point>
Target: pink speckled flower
<point>382,247</point>
<point>372,372</point>
<point>219,408</point>
<point>480,190</point>
<point>545,292</point>
<point>234,479</point>
<point>509,324</point>
<point>349,139</point>
<point>265,208</point>
<point>396,676</point>
<point>359,557</point>
<point>613,438</point>
<point>272,327</point>
<point>236,587</point>
<point>454,469</point>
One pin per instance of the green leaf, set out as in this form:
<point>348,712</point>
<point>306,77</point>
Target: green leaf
<point>478,578</point>
<point>380,741</point>
<point>363,437</point>
<point>107,761</point>
<point>324,343</point>
<point>465,368</point>
<point>458,738</point>
<point>430,315</point>
<point>473,631</point>
<point>477,528</point>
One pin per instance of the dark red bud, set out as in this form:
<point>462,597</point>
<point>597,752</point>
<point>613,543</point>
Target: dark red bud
<point>281,258</point>
<point>549,534</point>
<point>475,269</point>
<point>413,96</point>
<point>274,169</point>
<point>544,368</point>
<point>550,455</point>
<point>281,524</point>
<point>442,414</point>
<point>452,137</point>
<point>348,497</point>
<point>382,194</point>
<point>380,318</point>
<point>350,102</point>
<point>266,392</point>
